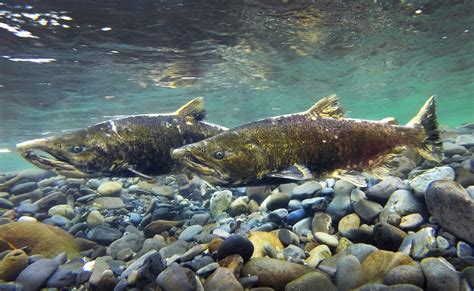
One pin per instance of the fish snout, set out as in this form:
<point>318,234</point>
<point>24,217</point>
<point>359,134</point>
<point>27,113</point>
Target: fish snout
<point>179,153</point>
<point>40,143</point>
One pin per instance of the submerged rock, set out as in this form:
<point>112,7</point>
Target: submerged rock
<point>421,182</point>
<point>36,274</point>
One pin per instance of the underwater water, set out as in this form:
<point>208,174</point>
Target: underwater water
<point>70,64</point>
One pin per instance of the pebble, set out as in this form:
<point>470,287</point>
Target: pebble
<point>5,203</point>
<point>343,188</point>
<point>349,273</point>
<point>295,216</point>
<point>440,274</point>
<point>302,225</point>
<point>405,274</point>
<point>388,237</point>
<point>26,207</point>
<point>131,241</point>
<point>321,222</point>
<point>465,140</point>
<point>376,266</point>
<point>190,232</point>
<point>158,226</point>
<point>463,250</point>
<point>367,210</point>
<point>339,206</point>
<point>104,234</point>
<point>110,188</point>
<point>424,241</point>
<point>263,242</point>
<point>24,188</point>
<point>278,200</point>
<point>452,208</point>
<point>62,209</point>
<point>293,254</point>
<point>383,189</point>
<point>235,244</point>
<point>318,254</point>
<point>200,218</point>
<point>58,220</point>
<point>348,225</point>
<point>357,195</point>
<point>222,280</point>
<point>326,239</point>
<point>239,206</point>
<point>220,202</point>
<point>400,203</point>
<point>166,191</point>
<point>305,190</point>
<point>421,182</point>
<point>411,221</point>
<point>288,237</point>
<point>108,203</point>
<point>36,274</point>
<point>316,281</point>
<point>451,149</point>
<point>176,278</point>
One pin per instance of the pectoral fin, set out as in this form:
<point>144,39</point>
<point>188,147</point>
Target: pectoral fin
<point>131,169</point>
<point>194,109</point>
<point>293,172</point>
<point>355,178</point>
<point>327,107</point>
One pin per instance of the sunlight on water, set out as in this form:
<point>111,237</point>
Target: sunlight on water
<point>66,66</point>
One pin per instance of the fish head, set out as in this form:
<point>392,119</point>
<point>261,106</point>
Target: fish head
<point>227,159</point>
<point>77,154</point>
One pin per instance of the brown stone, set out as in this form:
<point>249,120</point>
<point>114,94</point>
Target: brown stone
<point>12,264</point>
<point>214,244</point>
<point>260,238</point>
<point>379,263</point>
<point>158,226</point>
<point>222,280</point>
<point>233,263</point>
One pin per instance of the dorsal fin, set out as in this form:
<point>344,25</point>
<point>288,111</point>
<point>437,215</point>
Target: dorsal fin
<point>390,120</point>
<point>327,107</point>
<point>194,109</point>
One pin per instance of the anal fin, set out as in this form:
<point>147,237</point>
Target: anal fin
<point>385,165</point>
<point>294,172</point>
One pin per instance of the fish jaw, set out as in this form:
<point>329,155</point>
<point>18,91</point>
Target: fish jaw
<point>27,151</point>
<point>196,165</point>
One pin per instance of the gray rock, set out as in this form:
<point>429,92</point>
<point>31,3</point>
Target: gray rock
<point>452,208</point>
<point>465,140</point>
<point>179,247</point>
<point>166,191</point>
<point>108,203</point>
<point>388,237</point>
<point>65,275</point>
<point>400,203</point>
<point>192,252</point>
<point>239,206</point>
<point>5,203</point>
<point>440,274</point>
<point>305,190</point>
<point>24,188</point>
<point>207,269</point>
<point>357,195</point>
<point>190,232</point>
<point>349,273</point>
<point>104,234</point>
<point>278,215</point>
<point>110,188</point>
<point>278,200</point>
<point>222,280</point>
<point>424,241</point>
<point>176,278</point>
<point>288,237</point>
<point>442,243</point>
<point>321,222</point>
<point>360,251</point>
<point>339,206</point>
<point>405,274</point>
<point>293,254</point>
<point>33,196</point>
<point>463,250</point>
<point>220,202</point>
<point>367,210</point>
<point>315,281</point>
<point>420,183</point>
<point>26,207</point>
<point>451,149</point>
<point>200,218</point>
<point>326,239</point>
<point>128,240</point>
<point>468,275</point>
<point>382,190</point>
<point>35,275</point>
<point>150,260</point>
<point>343,188</point>
<point>348,225</point>
<point>302,225</point>
<point>59,220</point>
<point>294,204</point>
<point>411,221</point>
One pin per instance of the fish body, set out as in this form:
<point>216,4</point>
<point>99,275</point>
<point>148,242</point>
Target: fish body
<point>315,142</point>
<point>126,146</point>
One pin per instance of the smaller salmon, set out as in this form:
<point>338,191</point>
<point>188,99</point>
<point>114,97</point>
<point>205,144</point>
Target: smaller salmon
<point>319,141</point>
<point>127,146</point>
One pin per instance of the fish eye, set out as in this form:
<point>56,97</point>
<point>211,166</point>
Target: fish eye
<point>76,149</point>
<point>219,155</point>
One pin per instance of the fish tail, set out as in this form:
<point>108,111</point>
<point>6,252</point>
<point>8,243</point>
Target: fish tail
<point>429,145</point>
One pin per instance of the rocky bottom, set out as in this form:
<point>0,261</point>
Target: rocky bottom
<point>411,231</point>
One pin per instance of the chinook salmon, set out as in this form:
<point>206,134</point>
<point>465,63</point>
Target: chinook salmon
<point>132,145</point>
<point>319,141</point>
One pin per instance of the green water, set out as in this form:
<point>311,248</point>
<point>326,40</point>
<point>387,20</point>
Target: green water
<point>249,60</point>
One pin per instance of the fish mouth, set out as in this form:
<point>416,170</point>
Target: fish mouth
<point>39,154</point>
<point>197,165</point>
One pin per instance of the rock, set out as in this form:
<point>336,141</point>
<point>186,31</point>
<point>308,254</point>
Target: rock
<point>110,188</point>
<point>36,274</point>
<point>360,251</point>
<point>222,280</point>
<point>12,265</point>
<point>451,149</point>
<point>108,203</point>
<point>158,226</point>
<point>376,266</point>
<point>5,203</point>
<point>234,263</point>
<point>348,225</point>
<point>278,215</point>
<point>321,223</point>
<point>278,200</point>
<point>315,281</point>
<point>40,238</point>
<point>326,239</point>
<point>94,218</point>
<point>388,237</point>
<point>305,190</point>
<point>200,218</point>
<point>63,210</point>
<point>357,195</point>
<point>288,237</point>
<point>259,239</point>
<point>468,275</point>
<point>302,225</point>
<point>190,232</point>
<point>293,254</point>
<point>100,267</point>
<point>129,240</point>
<point>400,203</point>
<point>463,250</point>
<point>57,220</point>
<point>343,188</point>
<point>464,177</point>
<point>259,193</point>
<point>239,206</point>
<point>317,255</point>
<point>65,275</point>
<point>150,261</point>
<point>176,278</point>
<point>295,216</point>
<point>452,208</point>
<point>440,274</point>
<point>166,191</point>
<point>343,244</point>
<point>465,140</point>
<point>50,200</point>
<point>411,221</point>
<point>27,208</point>
<point>205,270</point>
<point>235,244</point>
<point>219,202</point>
<point>104,234</point>
<point>421,182</point>
<point>274,273</point>
<point>135,218</point>
<point>382,190</point>
<point>367,210</point>
<point>424,241</point>
<point>340,204</point>
<point>405,274</point>
<point>349,273</point>
<point>177,248</point>
<point>24,188</point>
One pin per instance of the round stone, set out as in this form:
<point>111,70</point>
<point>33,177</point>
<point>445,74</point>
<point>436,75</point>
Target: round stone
<point>367,210</point>
<point>63,210</point>
<point>305,190</point>
<point>326,239</point>
<point>440,274</point>
<point>190,232</point>
<point>411,221</point>
<point>348,224</point>
<point>94,218</point>
<point>110,188</point>
<point>348,273</point>
<point>405,274</point>
<point>235,244</point>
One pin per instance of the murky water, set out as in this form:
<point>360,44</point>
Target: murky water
<point>67,65</point>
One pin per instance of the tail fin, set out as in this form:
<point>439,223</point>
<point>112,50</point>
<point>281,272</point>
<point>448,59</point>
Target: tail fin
<point>430,147</point>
